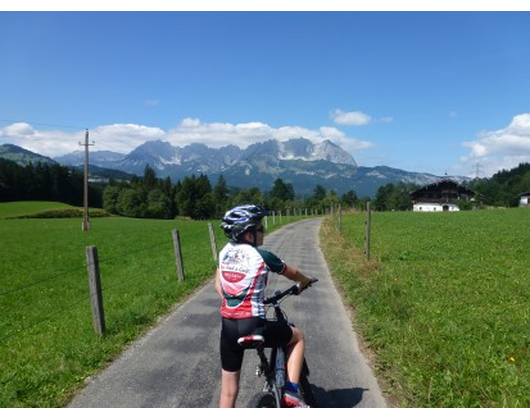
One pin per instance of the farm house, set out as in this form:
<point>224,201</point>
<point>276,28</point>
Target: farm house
<point>440,196</point>
<point>524,199</point>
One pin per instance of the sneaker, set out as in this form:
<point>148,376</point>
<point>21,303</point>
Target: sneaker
<point>293,400</point>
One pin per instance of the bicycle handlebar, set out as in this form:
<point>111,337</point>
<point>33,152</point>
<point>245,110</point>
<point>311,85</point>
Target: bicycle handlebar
<point>293,290</point>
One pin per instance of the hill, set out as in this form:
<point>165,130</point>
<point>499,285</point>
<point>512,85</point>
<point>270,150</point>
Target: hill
<point>26,208</point>
<point>22,156</point>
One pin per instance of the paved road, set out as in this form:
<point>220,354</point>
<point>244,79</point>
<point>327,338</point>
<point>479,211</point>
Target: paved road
<point>177,363</point>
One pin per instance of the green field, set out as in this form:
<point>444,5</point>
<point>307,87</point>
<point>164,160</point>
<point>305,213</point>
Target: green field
<point>25,208</point>
<point>443,305</point>
<point>47,341</point>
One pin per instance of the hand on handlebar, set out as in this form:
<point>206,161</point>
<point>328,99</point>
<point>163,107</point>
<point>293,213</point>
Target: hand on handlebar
<point>304,285</point>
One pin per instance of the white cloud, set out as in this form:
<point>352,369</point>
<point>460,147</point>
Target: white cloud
<point>18,130</point>
<point>48,143</point>
<point>350,118</point>
<point>501,149</point>
<point>242,135</point>
<point>124,138</point>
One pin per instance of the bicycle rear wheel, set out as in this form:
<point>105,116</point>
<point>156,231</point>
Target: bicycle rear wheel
<point>263,400</point>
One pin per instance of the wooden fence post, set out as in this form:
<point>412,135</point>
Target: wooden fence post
<point>178,254</point>
<point>367,238</point>
<point>213,244</point>
<point>340,219</point>
<point>96,296</point>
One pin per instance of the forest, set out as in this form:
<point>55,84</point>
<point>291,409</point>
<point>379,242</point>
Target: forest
<point>195,197</point>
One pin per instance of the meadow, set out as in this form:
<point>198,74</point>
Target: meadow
<point>442,305</point>
<point>48,345</point>
<point>25,208</point>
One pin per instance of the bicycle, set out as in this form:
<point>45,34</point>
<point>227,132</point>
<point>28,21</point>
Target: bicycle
<point>275,366</point>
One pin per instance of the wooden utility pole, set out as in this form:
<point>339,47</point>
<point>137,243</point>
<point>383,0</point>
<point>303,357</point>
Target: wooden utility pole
<point>86,222</point>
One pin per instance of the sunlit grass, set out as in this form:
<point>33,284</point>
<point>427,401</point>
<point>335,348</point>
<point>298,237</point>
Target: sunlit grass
<point>47,341</point>
<point>444,303</point>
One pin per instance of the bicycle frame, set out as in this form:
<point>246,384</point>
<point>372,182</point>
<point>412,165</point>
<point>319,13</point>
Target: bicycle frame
<point>274,368</point>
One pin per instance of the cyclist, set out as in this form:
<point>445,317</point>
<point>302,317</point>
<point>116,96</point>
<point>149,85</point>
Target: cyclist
<point>240,280</point>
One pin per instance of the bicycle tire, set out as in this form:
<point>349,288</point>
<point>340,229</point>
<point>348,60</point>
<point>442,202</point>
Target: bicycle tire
<point>263,400</point>
<point>307,392</point>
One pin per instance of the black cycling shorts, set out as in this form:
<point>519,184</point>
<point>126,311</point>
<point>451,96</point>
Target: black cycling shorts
<point>275,334</point>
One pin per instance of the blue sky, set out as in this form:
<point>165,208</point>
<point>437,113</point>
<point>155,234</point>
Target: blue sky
<point>436,92</point>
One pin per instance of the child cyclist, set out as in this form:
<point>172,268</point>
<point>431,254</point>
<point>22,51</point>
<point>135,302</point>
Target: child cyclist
<point>240,280</point>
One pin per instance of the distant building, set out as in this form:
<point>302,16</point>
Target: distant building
<point>440,196</point>
<point>524,199</point>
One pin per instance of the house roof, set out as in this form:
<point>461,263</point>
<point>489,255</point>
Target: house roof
<point>525,193</point>
<point>444,184</point>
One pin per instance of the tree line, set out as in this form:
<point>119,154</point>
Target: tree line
<point>501,190</point>
<point>195,197</point>
<point>44,182</point>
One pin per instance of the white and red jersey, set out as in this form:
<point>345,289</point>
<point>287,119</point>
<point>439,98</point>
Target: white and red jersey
<point>243,272</point>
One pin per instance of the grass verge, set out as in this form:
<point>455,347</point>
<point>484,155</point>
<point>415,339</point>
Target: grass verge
<point>443,305</point>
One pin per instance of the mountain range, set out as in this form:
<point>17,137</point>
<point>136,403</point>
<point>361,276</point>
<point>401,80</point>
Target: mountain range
<point>297,161</point>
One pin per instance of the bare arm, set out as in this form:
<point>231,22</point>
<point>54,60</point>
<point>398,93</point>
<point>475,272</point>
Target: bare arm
<point>218,283</point>
<point>293,273</point>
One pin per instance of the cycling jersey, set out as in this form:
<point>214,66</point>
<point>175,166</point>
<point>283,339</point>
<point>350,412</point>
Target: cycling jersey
<point>243,272</point>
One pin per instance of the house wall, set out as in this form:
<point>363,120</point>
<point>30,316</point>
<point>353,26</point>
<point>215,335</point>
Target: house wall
<point>524,201</point>
<point>434,207</point>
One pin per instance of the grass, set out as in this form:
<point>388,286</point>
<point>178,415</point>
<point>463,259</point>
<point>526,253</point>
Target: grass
<point>47,341</point>
<point>44,210</point>
<point>443,304</point>
<point>25,208</point>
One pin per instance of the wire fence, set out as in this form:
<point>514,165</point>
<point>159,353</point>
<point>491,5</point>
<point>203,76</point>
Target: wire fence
<point>58,294</point>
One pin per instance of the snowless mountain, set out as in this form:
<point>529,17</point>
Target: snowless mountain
<point>22,156</point>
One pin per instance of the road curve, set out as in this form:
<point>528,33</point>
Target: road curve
<point>176,364</point>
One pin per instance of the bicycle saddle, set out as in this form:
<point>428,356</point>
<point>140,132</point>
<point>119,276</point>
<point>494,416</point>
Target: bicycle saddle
<point>251,341</point>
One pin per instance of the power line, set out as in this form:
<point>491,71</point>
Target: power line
<point>33,123</point>
<point>478,169</point>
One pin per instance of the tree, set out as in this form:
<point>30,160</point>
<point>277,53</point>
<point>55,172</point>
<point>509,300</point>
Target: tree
<point>158,204</point>
<point>331,200</point>
<point>350,199</point>
<point>149,180</point>
<point>192,198</point>
<point>220,196</point>
<point>111,195</point>
<point>319,193</point>
<point>282,191</point>
<point>131,203</point>
<point>250,196</point>
<point>393,197</point>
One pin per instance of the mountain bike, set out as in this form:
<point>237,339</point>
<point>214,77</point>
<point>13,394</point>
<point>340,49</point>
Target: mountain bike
<point>274,367</point>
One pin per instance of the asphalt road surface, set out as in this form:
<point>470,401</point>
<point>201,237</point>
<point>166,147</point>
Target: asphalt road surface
<point>176,364</point>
